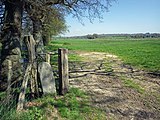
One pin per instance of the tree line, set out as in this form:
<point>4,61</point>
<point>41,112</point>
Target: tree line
<point>136,35</point>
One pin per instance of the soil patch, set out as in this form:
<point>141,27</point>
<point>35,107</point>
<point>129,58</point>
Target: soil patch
<point>123,92</point>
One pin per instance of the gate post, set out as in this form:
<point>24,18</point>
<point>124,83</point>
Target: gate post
<point>63,71</point>
<point>31,46</point>
<point>48,58</point>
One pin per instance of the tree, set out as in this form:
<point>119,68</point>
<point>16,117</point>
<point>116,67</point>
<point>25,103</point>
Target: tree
<point>95,35</point>
<point>37,11</point>
<point>53,25</point>
<point>90,36</point>
<point>37,16</point>
<point>11,40</point>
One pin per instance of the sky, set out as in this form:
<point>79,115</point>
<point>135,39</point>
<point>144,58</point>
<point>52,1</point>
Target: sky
<point>124,16</point>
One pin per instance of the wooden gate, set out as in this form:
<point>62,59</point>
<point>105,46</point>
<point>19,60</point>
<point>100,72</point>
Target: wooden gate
<point>32,66</point>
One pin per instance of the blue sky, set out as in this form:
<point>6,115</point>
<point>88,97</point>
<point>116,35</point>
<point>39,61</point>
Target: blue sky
<point>124,16</point>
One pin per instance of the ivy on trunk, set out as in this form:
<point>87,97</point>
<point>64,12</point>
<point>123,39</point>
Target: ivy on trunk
<point>11,41</point>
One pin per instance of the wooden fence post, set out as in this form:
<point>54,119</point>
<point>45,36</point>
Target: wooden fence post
<point>48,57</point>
<point>63,71</point>
<point>30,42</point>
<point>9,80</point>
<point>21,98</point>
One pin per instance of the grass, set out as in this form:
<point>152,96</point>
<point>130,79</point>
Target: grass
<point>131,84</point>
<point>108,66</point>
<point>74,57</point>
<point>73,106</point>
<point>142,53</point>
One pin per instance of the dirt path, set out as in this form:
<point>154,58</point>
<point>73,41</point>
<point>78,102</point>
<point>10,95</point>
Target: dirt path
<point>122,91</point>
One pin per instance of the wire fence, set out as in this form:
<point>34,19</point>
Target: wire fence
<point>9,97</point>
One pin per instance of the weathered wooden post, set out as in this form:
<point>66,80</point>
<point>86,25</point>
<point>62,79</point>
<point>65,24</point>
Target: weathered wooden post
<point>21,99</point>
<point>9,79</point>
<point>9,76</point>
<point>48,58</point>
<point>30,42</point>
<point>63,71</point>
<point>31,73</point>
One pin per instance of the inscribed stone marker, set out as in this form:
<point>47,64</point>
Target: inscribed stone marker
<point>47,78</point>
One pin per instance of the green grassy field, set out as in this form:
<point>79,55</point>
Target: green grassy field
<point>72,106</point>
<point>142,53</point>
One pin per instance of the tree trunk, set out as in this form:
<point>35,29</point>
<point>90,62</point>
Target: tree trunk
<point>37,35</point>
<point>46,39</point>
<point>11,43</point>
<point>30,42</point>
<point>39,48</point>
<point>37,19</point>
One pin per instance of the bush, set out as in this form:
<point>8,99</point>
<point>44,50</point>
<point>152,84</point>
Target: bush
<point>94,36</point>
